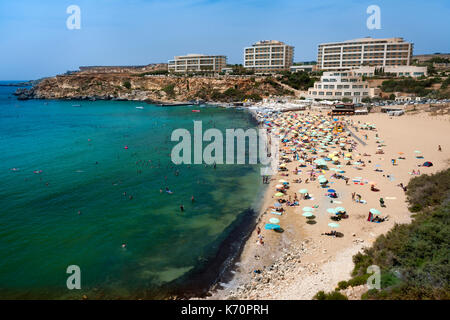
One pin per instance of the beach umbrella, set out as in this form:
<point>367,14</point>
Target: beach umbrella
<point>417,151</point>
<point>323,180</point>
<point>277,205</point>
<point>339,209</point>
<point>279,186</point>
<point>333,225</point>
<point>282,181</point>
<point>270,226</point>
<point>274,220</point>
<point>308,209</point>
<point>307,214</point>
<point>331,190</point>
<point>279,194</point>
<point>374,211</point>
<point>303,191</point>
<point>331,210</point>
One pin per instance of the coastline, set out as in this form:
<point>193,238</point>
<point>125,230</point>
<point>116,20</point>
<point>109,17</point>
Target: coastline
<point>298,263</point>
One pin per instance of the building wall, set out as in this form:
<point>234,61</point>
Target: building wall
<point>366,51</point>
<point>268,56</point>
<point>339,85</point>
<point>398,71</point>
<point>197,63</point>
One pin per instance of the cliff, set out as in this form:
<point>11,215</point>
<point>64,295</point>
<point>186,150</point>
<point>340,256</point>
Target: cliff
<point>152,88</point>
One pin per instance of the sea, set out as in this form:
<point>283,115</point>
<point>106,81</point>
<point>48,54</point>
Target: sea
<point>84,211</point>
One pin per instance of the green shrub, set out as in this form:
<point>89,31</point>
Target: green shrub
<point>334,295</point>
<point>413,258</point>
<point>127,84</point>
<point>169,90</point>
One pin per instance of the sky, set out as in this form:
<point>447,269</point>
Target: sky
<point>35,41</point>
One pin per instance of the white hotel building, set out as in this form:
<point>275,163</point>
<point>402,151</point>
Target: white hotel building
<point>197,63</point>
<point>337,85</point>
<point>364,52</point>
<point>268,56</point>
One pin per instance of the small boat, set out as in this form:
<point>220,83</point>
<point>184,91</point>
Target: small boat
<point>76,105</point>
<point>140,107</point>
<point>195,110</point>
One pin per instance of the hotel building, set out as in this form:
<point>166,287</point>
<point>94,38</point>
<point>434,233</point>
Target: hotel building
<point>364,52</point>
<point>268,56</point>
<point>197,63</point>
<point>337,85</point>
<point>398,71</point>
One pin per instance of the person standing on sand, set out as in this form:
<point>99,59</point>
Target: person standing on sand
<point>439,148</point>
<point>258,230</point>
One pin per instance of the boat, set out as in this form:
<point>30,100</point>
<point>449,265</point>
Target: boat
<point>76,105</point>
<point>195,110</point>
<point>140,107</point>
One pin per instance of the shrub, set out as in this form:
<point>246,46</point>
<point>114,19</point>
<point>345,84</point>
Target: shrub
<point>334,295</point>
<point>169,90</point>
<point>127,84</point>
<point>413,258</point>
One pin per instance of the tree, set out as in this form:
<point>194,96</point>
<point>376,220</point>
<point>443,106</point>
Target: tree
<point>392,96</point>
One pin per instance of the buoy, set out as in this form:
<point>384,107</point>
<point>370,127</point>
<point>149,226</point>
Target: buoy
<point>126,147</point>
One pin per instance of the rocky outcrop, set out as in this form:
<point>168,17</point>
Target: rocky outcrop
<point>110,86</point>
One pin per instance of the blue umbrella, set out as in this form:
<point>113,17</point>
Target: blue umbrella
<point>270,226</point>
<point>331,190</point>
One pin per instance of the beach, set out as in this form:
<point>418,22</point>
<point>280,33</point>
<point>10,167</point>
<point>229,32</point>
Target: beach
<point>300,261</point>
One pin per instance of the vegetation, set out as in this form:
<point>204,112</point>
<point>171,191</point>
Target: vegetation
<point>445,83</point>
<point>239,69</point>
<point>335,295</point>
<point>153,73</point>
<point>438,60</point>
<point>413,258</point>
<point>233,95</point>
<point>418,87</point>
<point>298,80</point>
<point>127,84</point>
<point>169,90</point>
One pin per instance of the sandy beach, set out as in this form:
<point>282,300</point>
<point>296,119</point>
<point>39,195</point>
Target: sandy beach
<point>300,261</point>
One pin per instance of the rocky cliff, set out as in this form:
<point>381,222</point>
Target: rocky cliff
<point>152,88</point>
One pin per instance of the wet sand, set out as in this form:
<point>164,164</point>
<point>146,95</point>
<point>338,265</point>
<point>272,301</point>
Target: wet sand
<point>299,262</point>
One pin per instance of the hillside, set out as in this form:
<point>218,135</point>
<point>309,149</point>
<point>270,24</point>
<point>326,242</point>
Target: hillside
<point>153,88</point>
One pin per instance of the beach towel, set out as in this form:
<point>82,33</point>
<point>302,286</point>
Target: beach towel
<point>277,213</point>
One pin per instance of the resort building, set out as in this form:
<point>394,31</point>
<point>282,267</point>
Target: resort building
<point>364,52</point>
<point>197,63</point>
<point>268,56</point>
<point>398,71</point>
<point>338,85</point>
<point>304,67</point>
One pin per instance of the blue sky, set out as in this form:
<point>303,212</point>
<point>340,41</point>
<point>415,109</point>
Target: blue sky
<point>35,41</point>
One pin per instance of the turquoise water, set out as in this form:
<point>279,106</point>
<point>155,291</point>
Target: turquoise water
<point>86,168</point>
